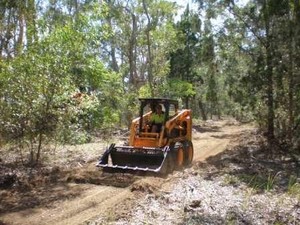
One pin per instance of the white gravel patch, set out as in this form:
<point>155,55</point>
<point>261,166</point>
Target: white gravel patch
<point>195,200</point>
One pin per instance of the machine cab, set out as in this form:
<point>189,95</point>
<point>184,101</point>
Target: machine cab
<point>149,107</point>
<point>144,134</point>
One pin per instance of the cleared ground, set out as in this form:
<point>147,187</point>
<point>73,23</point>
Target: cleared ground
<point>88,195</point>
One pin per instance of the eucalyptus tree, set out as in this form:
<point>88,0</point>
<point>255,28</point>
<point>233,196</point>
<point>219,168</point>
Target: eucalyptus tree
<point>210,66</point>
<point>18,26</point>
<point>293,61</point>
<point>266,37</point>
<point>40,85</point>
<point>185,60</point>
<point>137,46</point>
<point>272,24</point>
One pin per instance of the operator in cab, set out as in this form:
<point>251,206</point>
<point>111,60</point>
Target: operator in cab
<point>157,119</point>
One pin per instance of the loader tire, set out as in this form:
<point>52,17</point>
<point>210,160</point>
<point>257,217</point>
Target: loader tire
<point>171,165</point>
<point>168,167</point>
<point>179,158</point>
<point>189,153</point>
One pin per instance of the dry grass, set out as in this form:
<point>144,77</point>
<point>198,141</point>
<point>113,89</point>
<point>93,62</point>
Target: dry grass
<point>240,186</point>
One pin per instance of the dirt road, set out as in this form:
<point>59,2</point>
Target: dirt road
<point>83,202</point>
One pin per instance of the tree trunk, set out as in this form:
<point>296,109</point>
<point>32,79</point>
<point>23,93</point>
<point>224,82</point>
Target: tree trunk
<point>149,61</point>
<point>30,17</point>
<point>186,101</point>
<point>202,110</point>
<point>114,63</point>
<point>133,79</point>
<point>132,53</point>
<point>270,96</point>
<point>115,66</point>
<point>269,75</point>
<point>291,91</point>
<point>8,35</point>
<point>38,154</point>
<point>19,44</point>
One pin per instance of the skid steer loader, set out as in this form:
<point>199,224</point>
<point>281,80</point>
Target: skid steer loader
<point>160,152</point>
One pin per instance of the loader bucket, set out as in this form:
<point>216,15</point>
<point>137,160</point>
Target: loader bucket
<point>134,158</point>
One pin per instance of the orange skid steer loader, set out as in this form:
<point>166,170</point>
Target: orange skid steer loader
<point>160,151</point>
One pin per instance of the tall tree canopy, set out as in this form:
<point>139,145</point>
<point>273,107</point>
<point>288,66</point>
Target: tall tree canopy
<point>80,65</point>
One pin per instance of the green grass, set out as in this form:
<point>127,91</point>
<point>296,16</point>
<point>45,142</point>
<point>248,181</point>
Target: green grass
<point>260,182</point>
<point>294,187</point>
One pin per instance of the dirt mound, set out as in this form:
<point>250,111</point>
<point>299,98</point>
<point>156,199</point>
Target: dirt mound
<point>7,180</point>
<point>99,178</point>
<point>253,163</point>
<point>143,186</point>
<point>25,178</point>
<point>223,188</point>
<point>230,163</point>
<point>2,223</point>
<point>28,188</point>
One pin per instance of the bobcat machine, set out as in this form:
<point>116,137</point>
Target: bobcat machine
<point>148,151</point>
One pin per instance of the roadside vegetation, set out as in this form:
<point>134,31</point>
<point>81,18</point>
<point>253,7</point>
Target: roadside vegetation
<point>244,184</point>
<point>70,69</point>
<point>71,73</point>
<point>241,185</point>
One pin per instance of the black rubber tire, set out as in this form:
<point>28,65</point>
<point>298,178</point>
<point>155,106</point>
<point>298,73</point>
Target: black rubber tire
<point>179,157</point>
<point>189,153</point>
<point>169,165</point>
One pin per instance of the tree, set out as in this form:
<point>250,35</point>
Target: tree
<point>185,60</point>
<point>41,89</point>
<point>261,29</point>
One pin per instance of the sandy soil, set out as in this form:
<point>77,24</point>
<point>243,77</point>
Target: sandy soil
<point>91,195</point>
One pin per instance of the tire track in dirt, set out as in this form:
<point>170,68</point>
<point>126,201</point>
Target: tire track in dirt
<point>101,201</point>
<point>92,205</point>
<point>95,200</point>
<point>216,140</point>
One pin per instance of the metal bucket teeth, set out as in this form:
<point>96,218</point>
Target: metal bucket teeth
<point>131,158</point>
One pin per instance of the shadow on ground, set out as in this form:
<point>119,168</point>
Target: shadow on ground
<point>203,128</point>
<point>254,164</point>
<point>13,201</point>
<point>27,188</point>
<point>233,216</point>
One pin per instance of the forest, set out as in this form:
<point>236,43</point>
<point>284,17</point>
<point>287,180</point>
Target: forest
<point>71,68</point>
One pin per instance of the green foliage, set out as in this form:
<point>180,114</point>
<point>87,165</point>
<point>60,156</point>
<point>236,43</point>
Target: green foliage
<point>181,89</point>
<point>41,87</point>
<point>185,59</point>
<point>294,187</point>
<point>144,91</point>
<point>112,52</point>
<point>31,99</point>
<point>260,182</point>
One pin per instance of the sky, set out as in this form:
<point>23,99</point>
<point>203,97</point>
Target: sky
<point>193,6</point>
<point>183,3</point>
